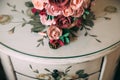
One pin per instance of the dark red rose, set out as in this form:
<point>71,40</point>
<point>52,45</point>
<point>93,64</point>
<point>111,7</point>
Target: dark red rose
<point>55,43</point>
<point>60,4</point>
<point>43,12</point>
<point>63,22</point>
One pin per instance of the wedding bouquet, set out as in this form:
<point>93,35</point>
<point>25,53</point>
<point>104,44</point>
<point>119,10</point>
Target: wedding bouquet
<point>63,19</point>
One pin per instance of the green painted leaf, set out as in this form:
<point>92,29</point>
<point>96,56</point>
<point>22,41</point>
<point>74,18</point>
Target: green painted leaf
<point>22,11</point>
<point>89,23</point>
<point>86,33</point>
<point>47,70</point>
<point>98,40</point>
<point>11,31</point>
<point>37,28</point>
<point>23,24</point>
<point>36,71</point>
<point>80,72</point>
<point>30,66</point>
<point>85,75</point>
<point>93,35</point>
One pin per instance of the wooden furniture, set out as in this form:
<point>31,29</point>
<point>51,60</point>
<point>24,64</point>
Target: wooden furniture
<point>83,58</point>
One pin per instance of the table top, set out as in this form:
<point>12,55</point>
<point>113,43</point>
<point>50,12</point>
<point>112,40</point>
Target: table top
<point>23,42</point>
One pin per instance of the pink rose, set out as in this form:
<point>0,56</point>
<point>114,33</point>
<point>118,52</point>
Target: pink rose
<point>54,32</point>
<point>68,12</point>
<point>39,4</point>
<point>59,4</point>
<point>79,12</point>
<point>76,4</point>
<point>43,19</point>
<point>51,10</point>
<point>63,22</point>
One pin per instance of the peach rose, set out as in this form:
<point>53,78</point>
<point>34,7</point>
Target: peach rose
<point>63,22</point>
<point>76,4</point>
<point>79,12</point>
<point>68,12</point>
<point>51,10</point>
<point>39,4</point>
<point>54,32</point>
<point>43,19</point>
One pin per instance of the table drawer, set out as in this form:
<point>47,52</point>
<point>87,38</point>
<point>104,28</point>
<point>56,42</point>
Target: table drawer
<point>25,77</point>
<point>72,70</point>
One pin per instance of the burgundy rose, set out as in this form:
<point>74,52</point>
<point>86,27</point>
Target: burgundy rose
<point>43,12</point>
<point>63,22</point>
<point>56,43</point>
<point>60,4</point>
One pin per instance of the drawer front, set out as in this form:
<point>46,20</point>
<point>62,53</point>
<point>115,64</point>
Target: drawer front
<point>25,77</point>
<point>64,70</point>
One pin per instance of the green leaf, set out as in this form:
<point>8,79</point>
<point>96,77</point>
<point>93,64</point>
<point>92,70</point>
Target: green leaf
<point>84,16</point>
<point>67,40</point>
<point>87,12</point>
<point>66,35</point>
<point>29,4</point>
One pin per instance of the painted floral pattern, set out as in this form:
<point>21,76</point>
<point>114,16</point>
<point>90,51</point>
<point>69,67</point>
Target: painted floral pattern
<point>61,75</point>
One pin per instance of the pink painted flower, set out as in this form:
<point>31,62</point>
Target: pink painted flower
<point>54,32</point>
<point>79,12</point>
<point>63,22</point>
<point>51,10</point>
<point>76,4</point>
<point>39,4</point>
<point>68,12</point>
<point>45,21</point>
<point>59,4</point>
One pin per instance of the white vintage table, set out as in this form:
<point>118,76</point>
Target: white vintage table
<point>20,56</point>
